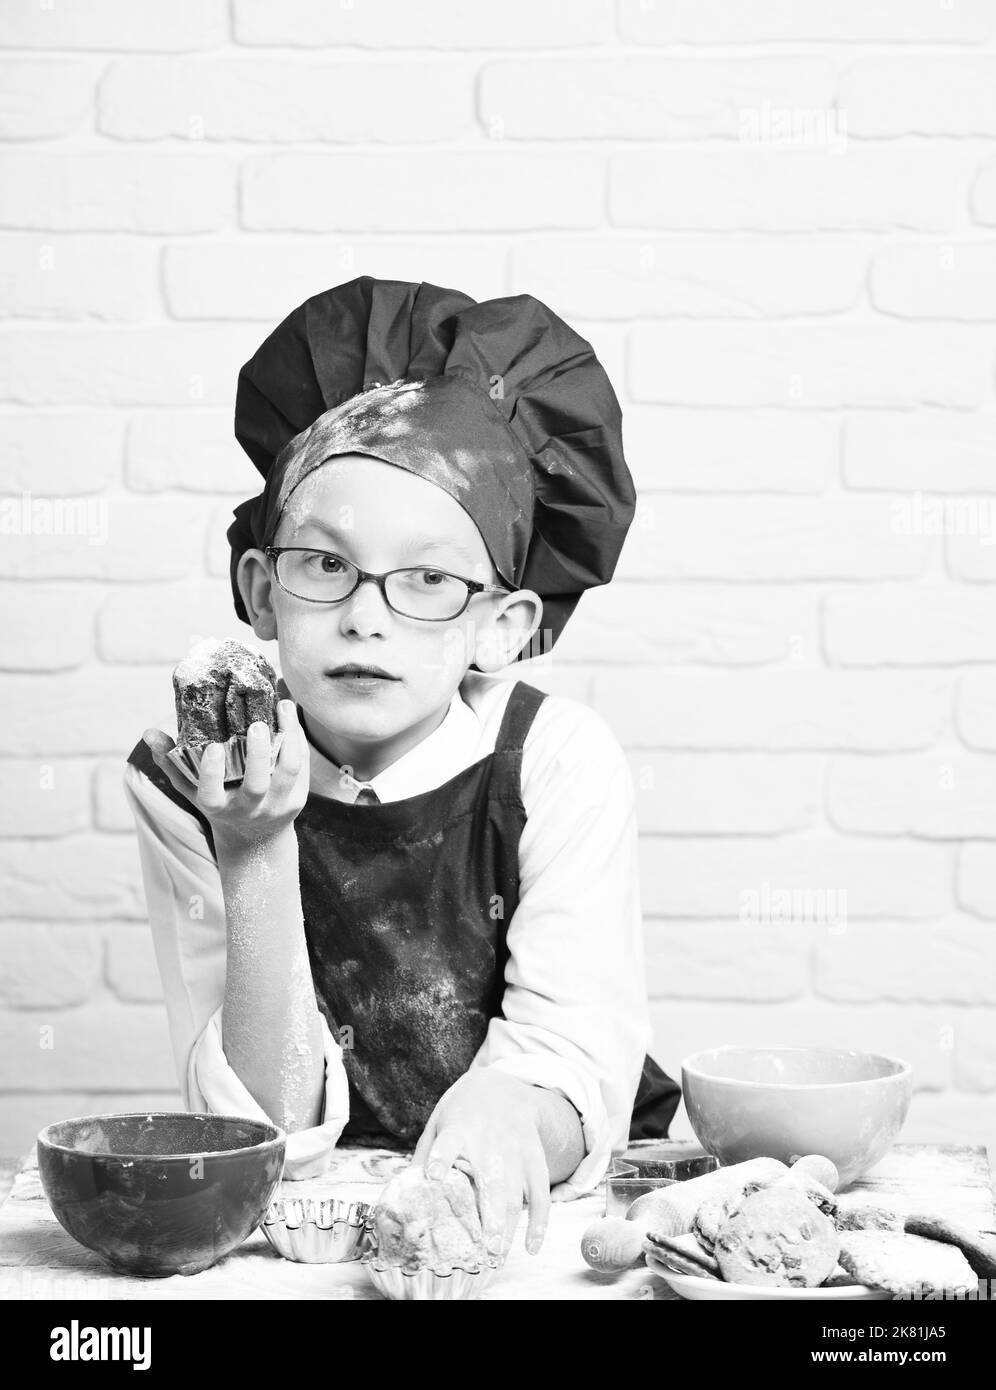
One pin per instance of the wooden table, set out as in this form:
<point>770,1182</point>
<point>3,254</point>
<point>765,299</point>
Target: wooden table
<point>38,1259</point>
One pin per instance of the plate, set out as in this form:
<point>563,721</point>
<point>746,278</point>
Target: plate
<point>694,1287</point>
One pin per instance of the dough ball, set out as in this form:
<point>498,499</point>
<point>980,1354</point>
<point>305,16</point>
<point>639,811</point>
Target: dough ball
<point>429,1221</point>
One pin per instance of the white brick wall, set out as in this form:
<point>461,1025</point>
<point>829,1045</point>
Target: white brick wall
<point>777,225</point>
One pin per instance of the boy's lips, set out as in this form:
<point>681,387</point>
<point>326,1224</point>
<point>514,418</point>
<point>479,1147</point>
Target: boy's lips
<point>361,672</point>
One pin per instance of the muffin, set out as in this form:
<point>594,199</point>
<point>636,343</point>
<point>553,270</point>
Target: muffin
<point>220,689</point>
<point>428,1239</point>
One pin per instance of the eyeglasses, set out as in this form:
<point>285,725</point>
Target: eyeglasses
<point>319,576</point>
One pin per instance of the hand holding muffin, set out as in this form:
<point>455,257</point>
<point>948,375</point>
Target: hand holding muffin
<point>241,756</point>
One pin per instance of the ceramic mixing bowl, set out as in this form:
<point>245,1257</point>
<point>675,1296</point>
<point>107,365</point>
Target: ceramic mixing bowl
<point>158,1194</point>
<point>749,1102</point>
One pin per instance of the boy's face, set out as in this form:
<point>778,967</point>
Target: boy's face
<point>381,518</point>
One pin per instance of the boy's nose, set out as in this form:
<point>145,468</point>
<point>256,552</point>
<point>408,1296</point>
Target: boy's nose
<point>366,610</point>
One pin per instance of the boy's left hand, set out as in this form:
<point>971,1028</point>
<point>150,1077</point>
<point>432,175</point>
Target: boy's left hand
<point>490,1122</point>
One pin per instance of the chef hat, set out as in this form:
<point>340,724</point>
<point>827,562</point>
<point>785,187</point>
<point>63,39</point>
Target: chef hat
<point>500,403</point>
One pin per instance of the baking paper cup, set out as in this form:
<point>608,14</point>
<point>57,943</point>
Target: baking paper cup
<point>403,1282</point>
<point>188,760</point>
<point>318,1231</point>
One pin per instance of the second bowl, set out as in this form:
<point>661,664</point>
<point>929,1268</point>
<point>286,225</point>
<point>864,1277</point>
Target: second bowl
<point>777,1102</point>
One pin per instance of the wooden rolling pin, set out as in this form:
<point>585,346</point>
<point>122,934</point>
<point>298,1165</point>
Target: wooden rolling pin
<point>670,1211</point>
<point>980,1253</point>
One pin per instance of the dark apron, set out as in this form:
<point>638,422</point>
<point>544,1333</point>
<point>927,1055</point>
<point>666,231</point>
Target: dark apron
<point>406,906</point>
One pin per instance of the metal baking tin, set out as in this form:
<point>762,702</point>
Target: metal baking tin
<point>188,760</point>
<point>405,1282</point>
<point>311,1230</point>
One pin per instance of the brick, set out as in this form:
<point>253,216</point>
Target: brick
<point>982,199</point>
<point>275,101</point>
<point>45,966</point>
<point>950,1117</point>
<point>762,538</point>
<point>950,281</point>
<point>102,1043</point>
<point>82,451</point>
<point>574,682</point>
<point>717,960</point>
<point>935,95</point>
<point>84,877</point>
<point>671,449</point>
<point>170,365</point>
<point>951,961</point>
<point>94,191</point>
<point>132,972</point>
<point>23,1115</point>
<point>898,186</point>
<point>798,709</point>
<point>712,625</point>
<point>136,1101</point>
<point>736,277</point>
<point>936,450</point>
<point>259,279</point>
<point>110,809</point>
<point>49,627</point>
<point>734,364</point>
<point>116,537</point>
<point>41,101</point>
<point>724,793</point>
<point>219,552</point>
<point>946,794</point>
<point>772,21</point>
<point>977,879</point>
<point>183,614</point>
<point>394,24</point>
<point>833,880</point>
<point>937,625</point>
<point>970,541</point>
<point>683,1027</point>
<point>975,1052</point>
<point>643,98</point>
<point>92,711</point>
<point>976,709</point>
<point>70,277</point>
<point>414,192</point>
<point>44,797</point>
<point>188,451</point>
<point>167,25</point>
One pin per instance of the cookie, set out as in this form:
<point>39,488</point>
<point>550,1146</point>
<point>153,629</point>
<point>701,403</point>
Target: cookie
<point>906,1265</point>
<point>683,1254</point>
<point>778,1237</point>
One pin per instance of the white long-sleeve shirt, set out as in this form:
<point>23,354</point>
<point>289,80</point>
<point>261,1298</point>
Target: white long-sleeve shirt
<point>575,1010</point>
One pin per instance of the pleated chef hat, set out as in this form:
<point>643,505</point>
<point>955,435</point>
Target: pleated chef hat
<point>500,403</point>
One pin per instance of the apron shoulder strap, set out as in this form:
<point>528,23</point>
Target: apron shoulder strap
<point>520,711</point>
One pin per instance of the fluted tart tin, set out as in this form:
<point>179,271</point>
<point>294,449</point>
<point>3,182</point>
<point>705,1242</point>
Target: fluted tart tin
<point>188,759</point>
<point>313,1230</point>
<point>402,1282</point>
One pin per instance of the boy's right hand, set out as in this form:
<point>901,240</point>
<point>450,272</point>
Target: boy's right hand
<point>265,803</point>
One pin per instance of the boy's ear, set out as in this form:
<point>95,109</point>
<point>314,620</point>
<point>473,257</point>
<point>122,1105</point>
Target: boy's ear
<point>254,578</point>
<point>515,619</point>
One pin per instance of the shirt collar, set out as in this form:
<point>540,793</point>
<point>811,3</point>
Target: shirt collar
<point>451,747</point>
